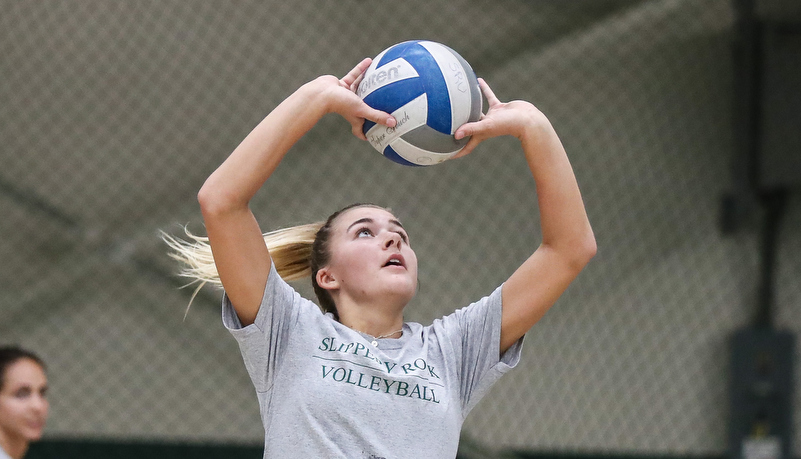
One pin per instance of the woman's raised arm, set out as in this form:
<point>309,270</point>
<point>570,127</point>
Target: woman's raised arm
<point>240,255</point>
<point>568,242</point>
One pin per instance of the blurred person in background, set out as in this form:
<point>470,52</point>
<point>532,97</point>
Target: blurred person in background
<point>23,401</point>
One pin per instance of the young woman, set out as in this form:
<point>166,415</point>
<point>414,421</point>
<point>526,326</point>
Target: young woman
<point>357,381</point>
<point>23,401</point>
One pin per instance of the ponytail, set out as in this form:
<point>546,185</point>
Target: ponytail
<point>290,250</point>
<point>297,252</point>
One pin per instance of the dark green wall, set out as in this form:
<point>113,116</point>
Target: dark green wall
<point>91,449</point>
<point>82,449</point>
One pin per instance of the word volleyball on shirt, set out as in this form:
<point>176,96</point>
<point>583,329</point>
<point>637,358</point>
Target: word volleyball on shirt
<point>340,358</point>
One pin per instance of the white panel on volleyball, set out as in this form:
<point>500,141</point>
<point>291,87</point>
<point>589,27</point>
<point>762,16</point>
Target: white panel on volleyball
<point>378,77</point>
<point>412,115</point>
<point>455,80</point>
<point>416,155</point>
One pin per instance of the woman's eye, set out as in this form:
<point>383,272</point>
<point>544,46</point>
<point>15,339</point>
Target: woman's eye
<point>404,238</point>
<point>364,232</point>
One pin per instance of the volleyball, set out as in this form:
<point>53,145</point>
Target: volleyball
<point>431,91</point>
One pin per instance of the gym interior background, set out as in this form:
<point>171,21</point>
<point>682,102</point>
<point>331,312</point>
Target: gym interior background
<point>113,114</point>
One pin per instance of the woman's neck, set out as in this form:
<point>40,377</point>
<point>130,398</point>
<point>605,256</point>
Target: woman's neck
<point>14,447</point>
<point>372,319</point>
<point>372,322</point>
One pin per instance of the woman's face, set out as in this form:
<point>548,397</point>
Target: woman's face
<point>371,257</point>
<point>23,402</point>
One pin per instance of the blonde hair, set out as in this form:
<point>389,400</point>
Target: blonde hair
<point>290,250</point>
<point>297,252</point>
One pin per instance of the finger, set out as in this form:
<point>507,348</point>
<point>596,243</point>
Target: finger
<point>355,85</point>
<point>356,128</point>
<point>348,79</point>
<point>468,129</point>
<point>491,99</point>
<point>377,116</point>
<point>471,145</point>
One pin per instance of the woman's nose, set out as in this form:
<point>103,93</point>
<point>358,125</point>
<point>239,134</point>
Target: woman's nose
<point>393,238</point>
<point>41,405</point>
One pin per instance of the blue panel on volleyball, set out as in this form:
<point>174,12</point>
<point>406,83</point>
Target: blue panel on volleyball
<point>393,155</point>
<point>392,97</point>
<point>367,126</point>
<point>399,50</point>
<point>431,82</point>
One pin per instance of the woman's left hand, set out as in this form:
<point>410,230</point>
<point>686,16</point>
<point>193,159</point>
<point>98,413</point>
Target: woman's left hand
<point>502,118</point>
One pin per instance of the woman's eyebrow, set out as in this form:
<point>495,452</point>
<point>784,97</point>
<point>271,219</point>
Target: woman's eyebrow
<point>370,220</point>
<point>361,220</point>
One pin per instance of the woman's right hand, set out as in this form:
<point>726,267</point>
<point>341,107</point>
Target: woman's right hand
<point>340,97</point>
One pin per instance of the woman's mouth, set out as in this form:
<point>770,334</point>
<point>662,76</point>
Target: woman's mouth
<point>395,260</point>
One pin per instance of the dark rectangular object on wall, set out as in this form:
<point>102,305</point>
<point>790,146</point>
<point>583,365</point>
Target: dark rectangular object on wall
<point>778,10</point>
<point>761,391</point>
<point>779,163</point>
<point>780,149</point>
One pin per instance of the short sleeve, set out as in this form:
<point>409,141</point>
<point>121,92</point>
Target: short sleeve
<point>263,342</point>
<point>475,333</point>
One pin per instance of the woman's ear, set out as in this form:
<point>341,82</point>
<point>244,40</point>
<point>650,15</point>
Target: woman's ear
<point>326,279</point>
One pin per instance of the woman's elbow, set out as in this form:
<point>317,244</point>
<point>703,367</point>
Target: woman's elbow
<point>209,201</point>
<point>581,252</point>
<point>214,201</point>
<point>586,250</point>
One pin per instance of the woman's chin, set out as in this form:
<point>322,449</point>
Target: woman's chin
<point>34,433</point>
<point>406,294</point>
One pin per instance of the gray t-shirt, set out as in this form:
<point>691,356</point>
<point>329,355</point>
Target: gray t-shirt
<point>325,391</point>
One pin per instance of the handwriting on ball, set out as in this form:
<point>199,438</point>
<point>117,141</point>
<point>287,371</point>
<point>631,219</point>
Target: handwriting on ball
<point>458,74</point>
